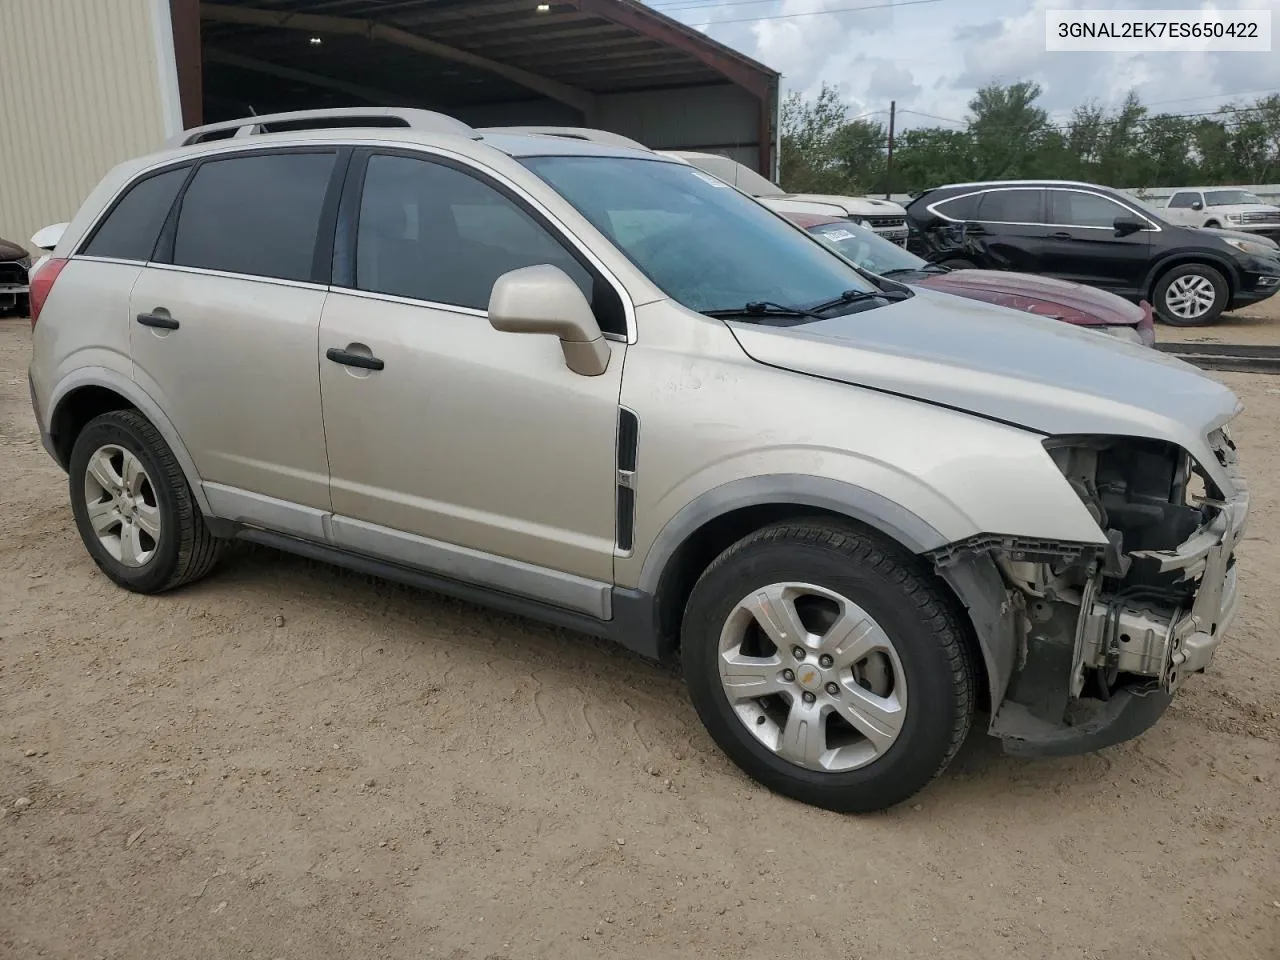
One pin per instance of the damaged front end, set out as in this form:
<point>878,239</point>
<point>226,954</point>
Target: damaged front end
<point>1102,635</point>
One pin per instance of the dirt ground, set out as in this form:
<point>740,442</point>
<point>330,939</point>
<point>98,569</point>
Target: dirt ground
<point>1257,324</point>
<point>285,761</point>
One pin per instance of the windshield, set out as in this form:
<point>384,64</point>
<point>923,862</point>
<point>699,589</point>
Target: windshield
<point>866,248</point>
<point>703,243</point>
<point>1225,198</point>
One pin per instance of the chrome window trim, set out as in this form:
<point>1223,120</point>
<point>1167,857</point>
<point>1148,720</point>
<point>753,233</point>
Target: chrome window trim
<point>120,260</point>
<point>217,148</point>
<point>230,275</point>
<point>1152,228</point>
<point>433,305</point>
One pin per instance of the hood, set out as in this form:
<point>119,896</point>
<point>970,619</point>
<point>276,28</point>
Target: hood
<point>1029,371</point>
<point>11,251</point>
<point>1070,302</point>
<point>1240,235</point>
<point>864,205</point>
<point>1225,208</point>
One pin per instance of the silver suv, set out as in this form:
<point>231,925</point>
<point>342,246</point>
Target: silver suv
<point>596,386</point>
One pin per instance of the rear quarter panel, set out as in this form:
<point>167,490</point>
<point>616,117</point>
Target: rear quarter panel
<point>84,323</point>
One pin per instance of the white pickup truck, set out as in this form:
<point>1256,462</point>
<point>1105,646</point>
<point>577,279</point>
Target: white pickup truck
<point>1228,208</point>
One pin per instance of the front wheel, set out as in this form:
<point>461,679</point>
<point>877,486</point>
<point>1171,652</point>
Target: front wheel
<point>1191,295</point>
<point>828,666</point>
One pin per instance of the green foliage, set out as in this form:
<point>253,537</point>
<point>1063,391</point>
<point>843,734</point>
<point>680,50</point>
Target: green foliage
<point>1007,136</point>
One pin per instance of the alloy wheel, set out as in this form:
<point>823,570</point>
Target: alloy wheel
<point>1190,297</point>
<point>813,677</point>
<point>121,504</point>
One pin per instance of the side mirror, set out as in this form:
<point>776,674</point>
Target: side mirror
<point>1197,205</point>
<point>46,238</point>
<point>542,299</point>
<point>1127,225</point>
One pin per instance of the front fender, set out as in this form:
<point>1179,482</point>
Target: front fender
<point>118,383</point>
<point>1219,261</point>
<point>976,582</point>
<point>856,502</point>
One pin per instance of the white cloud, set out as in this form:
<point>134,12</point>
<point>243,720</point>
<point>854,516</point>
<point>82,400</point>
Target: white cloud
<point>932,57</point>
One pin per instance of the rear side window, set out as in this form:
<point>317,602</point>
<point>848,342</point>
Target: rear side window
<point>130,230</point>
<point>959,208</point>
<point>257,215</point>
<point>1010,206</point>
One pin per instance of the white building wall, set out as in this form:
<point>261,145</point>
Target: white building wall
<point>84,84</point>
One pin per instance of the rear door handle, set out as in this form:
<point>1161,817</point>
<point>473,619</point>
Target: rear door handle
<point>157,320</point>
<point>349,359</point>
<point>1060,235</point>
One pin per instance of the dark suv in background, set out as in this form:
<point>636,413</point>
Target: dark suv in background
<point>1094,235</point>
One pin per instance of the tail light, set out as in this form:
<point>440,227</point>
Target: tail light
<point>42,283</point>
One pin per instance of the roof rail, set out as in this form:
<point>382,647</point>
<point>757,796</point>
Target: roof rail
<point>402,117</point>
<point>589,134</point>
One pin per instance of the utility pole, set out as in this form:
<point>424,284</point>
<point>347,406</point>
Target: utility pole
<point>888,166</point>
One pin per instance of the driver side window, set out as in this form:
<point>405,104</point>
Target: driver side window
<point>431,232</point>
<point>1183,201</point>
<point>1076,208</point>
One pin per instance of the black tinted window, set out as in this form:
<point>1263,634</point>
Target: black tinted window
<point>430,232</point>
<point>1074,209</point>
<point>1010,206</point>
<point>959,208</point>
<point>1183,200</point>
<point>131,228</point>
<point>257,215</point>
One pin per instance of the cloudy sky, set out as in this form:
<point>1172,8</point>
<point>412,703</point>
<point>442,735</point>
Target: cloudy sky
<point>930,56</point>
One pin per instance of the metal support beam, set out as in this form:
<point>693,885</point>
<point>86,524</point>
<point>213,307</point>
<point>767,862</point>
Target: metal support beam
<point>581,100</point>
<point>635,16</point>
<point>370,95</point>
<point>184,17</point>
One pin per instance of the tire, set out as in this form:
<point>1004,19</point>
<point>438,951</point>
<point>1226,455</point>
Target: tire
<point>923,683</point>
<point>181,550</point>
<point>1180,295</point>
<point>1213,224</point>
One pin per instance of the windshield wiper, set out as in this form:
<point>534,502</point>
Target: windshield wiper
<point>764,308</point>
<point>858,296</point>
<point>923,268</point>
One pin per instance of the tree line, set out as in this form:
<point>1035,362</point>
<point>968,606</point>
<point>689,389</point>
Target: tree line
<point>1007,136</point>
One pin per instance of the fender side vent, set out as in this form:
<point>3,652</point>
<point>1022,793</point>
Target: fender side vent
<point>626,517</point>
<point>628,439</point>
<point>628,446</point>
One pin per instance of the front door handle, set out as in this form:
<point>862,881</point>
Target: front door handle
<point>1060,235</point>
<point>349,359</point>
<point>157,320</point>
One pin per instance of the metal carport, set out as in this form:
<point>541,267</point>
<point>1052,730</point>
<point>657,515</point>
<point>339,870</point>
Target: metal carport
<point>614,64</point>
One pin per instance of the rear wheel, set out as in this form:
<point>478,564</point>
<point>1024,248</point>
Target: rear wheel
<point>1191,295</point>
<point>825,663</point>
<point>133,507</point>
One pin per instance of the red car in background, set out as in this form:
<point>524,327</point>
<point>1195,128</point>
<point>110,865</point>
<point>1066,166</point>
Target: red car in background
<point>1072,303</point>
